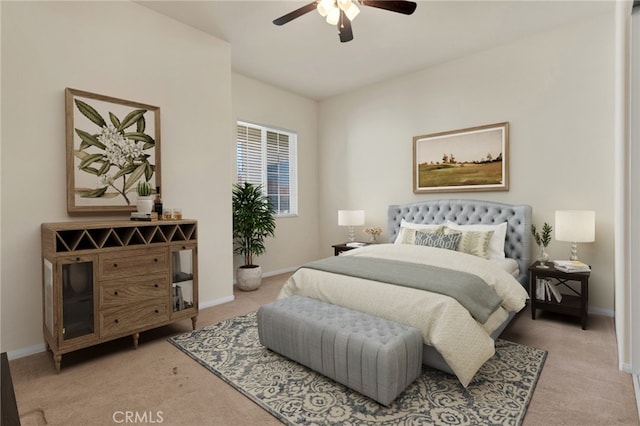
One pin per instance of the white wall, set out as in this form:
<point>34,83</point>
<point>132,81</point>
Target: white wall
<point>556,91</point>
<point>123,50</point>
<point>296,238</point>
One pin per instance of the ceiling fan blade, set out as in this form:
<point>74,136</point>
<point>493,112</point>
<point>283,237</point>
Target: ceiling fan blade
<point>344,28</point>
<point>399,6</point>
<point>295,14</point>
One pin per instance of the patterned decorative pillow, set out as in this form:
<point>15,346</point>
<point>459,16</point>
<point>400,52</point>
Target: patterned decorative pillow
<point>439,239</point>
<point>496,245</point>
<point>407,235</point>
<point>474,242</point>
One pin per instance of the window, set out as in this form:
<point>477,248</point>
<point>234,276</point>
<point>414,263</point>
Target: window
<point>267,157</point>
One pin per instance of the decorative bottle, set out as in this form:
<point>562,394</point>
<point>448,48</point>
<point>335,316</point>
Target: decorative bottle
<point>157,203</point>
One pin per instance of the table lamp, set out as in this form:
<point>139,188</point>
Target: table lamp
<point>351,218</point>
<point>576,226</point>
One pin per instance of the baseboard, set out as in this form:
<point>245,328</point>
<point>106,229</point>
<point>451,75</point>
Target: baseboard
<point>220,301</point>
<point>600,311</point>
<point>280,271</point>
<point>31,350</point>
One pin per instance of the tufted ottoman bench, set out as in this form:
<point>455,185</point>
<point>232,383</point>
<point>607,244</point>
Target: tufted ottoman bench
<point>374,356</point>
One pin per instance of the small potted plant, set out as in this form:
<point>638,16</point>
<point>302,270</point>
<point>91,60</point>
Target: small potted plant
<point>144,202</point>
<point>374,231</point>
<point>253,221</point>
<point>542,239</point>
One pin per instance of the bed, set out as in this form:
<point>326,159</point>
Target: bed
<point>457,339</point>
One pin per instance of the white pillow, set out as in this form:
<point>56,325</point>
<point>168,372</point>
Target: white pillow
<point>405,224</point>
<point>496,244</point>
<point>407,234</point>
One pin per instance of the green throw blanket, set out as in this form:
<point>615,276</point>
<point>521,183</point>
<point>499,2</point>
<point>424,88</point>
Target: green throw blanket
<point>469,290</point>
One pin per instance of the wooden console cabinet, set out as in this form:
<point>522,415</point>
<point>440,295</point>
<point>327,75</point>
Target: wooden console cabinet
<point>105,280</point>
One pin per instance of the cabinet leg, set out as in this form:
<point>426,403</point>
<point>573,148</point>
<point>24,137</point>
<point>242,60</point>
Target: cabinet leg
<point>193,322</point>
<point>57,359</point>
<point>136,337</point>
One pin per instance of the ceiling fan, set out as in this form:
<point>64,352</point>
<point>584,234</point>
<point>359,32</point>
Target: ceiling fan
<point>342,12</point>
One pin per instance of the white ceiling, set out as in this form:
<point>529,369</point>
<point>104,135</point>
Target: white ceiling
<point>305,56</point>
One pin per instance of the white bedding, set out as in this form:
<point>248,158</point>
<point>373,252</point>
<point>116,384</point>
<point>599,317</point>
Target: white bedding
<point>509,265</point>
<point>464,343</point>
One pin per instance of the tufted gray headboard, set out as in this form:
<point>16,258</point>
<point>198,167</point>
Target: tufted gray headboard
<point>467,212</point>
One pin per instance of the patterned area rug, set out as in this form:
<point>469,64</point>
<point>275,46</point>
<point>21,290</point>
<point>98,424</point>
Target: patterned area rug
<point>296,395</point>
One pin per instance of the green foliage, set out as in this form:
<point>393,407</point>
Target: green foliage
<point>544,238</point>
<point>143,188</point>
<point>253,220</point>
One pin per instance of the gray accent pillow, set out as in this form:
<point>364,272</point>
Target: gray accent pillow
<point>448,241</point>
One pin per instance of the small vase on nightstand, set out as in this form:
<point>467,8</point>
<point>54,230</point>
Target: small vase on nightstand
<point>543,257</point>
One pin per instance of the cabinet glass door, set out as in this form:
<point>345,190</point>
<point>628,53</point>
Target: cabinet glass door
<point>77,299</point>
<point>182,274</point>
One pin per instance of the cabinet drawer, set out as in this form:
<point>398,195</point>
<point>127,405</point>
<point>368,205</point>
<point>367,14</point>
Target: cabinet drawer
<point>136,316</point>
<point>133,289</point>
<point>133,262</point>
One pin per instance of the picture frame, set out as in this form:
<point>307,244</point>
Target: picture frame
<point>112,144</point>
<point>465,160</point>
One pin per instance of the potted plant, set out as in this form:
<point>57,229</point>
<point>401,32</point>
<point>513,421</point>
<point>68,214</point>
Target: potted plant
<point>542,239</point>
<point>144,202</point>
<point>253,221</point>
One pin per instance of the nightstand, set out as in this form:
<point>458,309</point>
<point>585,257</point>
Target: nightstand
<point>574,303</point>
<point>339,248</point>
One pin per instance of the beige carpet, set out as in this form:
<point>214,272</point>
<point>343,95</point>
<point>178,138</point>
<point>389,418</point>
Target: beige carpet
<point>579,385</point>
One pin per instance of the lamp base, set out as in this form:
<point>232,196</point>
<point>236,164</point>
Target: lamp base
<point>574,251</point>
<point>352,235</point>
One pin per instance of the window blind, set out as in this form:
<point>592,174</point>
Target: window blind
<point>267,157</point>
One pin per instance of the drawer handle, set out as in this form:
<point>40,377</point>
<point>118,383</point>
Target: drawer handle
<point>155,260</point>
<point>157,312</point>
<point>155,285</point>
<point>115,293</point>
<point>116,321</point>
<point>77,259</point>
<point>115,265</point>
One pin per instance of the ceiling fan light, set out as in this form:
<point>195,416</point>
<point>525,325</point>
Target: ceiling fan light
<point>344,4</point>
<point>352,11</point>
<point>333,16</point>
<point>324,6</point>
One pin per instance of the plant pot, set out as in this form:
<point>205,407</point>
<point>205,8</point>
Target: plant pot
<point>248,278</point>
<point>144,204</point>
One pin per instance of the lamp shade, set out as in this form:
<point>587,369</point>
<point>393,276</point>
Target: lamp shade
<point>577,226</point>
<point>350,217</point>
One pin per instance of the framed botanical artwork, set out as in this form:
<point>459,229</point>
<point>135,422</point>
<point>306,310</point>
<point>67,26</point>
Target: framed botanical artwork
<point>473,159</point>
<point>112,144</point>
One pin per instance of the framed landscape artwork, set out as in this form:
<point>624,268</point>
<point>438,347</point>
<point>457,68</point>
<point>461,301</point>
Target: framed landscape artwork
<point>473,159</point>
<point>112,144</point>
